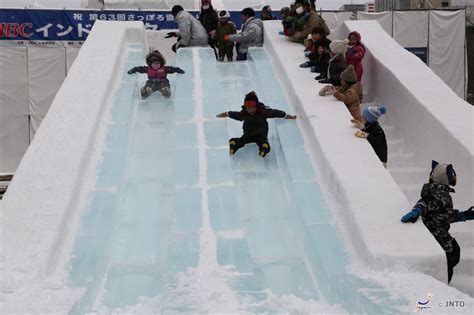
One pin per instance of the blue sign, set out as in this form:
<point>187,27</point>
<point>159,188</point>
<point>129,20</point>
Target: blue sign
<point>420,52</point>
<point>71,25</point>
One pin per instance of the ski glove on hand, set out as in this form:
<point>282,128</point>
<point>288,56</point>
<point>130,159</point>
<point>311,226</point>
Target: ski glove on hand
<point>131,71</point>
<point>465,215</point>
<point>170,34</point>
<point>179,70</point>
<point>412,216</point>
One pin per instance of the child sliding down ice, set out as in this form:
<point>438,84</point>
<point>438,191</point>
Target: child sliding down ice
<point>157,72</point>
<point>254,115</point>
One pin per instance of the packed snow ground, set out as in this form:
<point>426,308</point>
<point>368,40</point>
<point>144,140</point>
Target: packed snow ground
<point>38,233</point>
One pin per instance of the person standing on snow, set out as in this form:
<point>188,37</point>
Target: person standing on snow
<point>254,115</point>
<point>436,210</point>
<point>191,32</point>
<point>355,53</point>
<point>208,19</point>
<point>250,36</point>
<point>157,72</point>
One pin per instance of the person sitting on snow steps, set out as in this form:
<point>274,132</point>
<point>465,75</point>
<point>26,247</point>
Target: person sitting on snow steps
<point>436,210</point>
<point>372,131</point>
<point>254,115</point>
<point>157,72</point>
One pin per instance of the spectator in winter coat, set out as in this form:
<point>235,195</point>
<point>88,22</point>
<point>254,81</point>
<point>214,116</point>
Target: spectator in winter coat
<point>321,66</point>
<point>208,19</point>
<point>312,20</point>
<point>337,63</point>
<point>266,13</point>
<point>191,32</point>
<point>226,27</point>
<point>292,21</point>
<point>350,92</point>
<point>312,48</point>
<point>254,115</point>
<point>436,210</point>
<point>250,36</point>
<point>372,131</point>
<point>157,72</point>
<point>355,53</point>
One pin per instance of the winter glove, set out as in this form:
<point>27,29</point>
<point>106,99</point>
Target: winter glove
<point>306,64</point>
<point>179,70</point>
<point>307,53</point>
<point>222,115</point>
<point>281,33</point>
<point>357,124</point>
<point>412,216</point>
<point>227,38</point>
<point>327,89</point>
<point>361,134</point>
<point>465,215</point>
<point>290,116</point>
<point>131,71</point>
<point>171,34</point>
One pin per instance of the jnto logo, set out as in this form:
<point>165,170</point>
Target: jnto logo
<point>420,306</point>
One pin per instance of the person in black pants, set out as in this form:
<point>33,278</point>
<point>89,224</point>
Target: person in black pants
<point>254,115</point>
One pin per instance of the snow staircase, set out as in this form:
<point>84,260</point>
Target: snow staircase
<point>409,176</point>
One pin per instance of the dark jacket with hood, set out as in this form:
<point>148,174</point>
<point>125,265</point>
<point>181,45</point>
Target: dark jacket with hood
<point>256,124</point>
<point>377,139</point>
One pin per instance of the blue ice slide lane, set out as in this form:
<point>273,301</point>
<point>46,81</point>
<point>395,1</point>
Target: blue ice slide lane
<point>141,228</point>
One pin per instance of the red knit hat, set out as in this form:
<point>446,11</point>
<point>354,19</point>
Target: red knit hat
<point>251,99</point>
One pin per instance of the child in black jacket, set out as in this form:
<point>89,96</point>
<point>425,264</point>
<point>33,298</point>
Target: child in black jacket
<point>371,130</point>
<point>157,72</point>
<point>254,115</point>
<point>436,210</point>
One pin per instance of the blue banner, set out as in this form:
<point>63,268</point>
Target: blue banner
<point>73,25</point>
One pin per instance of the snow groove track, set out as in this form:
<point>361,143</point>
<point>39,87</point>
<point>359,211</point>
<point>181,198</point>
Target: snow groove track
<point>176,224</point>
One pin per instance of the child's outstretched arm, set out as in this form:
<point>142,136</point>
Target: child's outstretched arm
<point>276,113</point>
<point>141,69</point>
<point>170,69</point>
<point>231,114</point>
<point>413,215</point>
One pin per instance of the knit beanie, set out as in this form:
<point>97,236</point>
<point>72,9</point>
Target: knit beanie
<point>356,35</point>
<point>372,113</point>
<point>349,74</point>
<point>339,47</point>
<point>251,99</point>
<point>204,2</point>
<point>442,173</point>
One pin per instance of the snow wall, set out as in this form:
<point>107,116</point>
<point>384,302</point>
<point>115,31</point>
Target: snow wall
<point>44,200</point>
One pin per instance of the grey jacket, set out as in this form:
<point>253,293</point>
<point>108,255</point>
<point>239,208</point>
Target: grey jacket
<point>191,31</point>
<point>250,36</point>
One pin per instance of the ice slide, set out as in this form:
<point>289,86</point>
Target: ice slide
<point>136,207</point>
<point>175,220</point>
